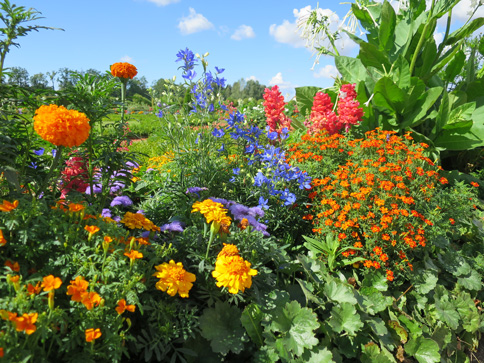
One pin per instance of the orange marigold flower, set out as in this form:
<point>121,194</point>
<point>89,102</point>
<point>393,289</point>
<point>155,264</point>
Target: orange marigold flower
<point>124,70</point>
<point>90,299</point>
<point>77,288</point>
<point>377,250</point>
<point>26,323</point>
<point>3,241</point>
<point>234,273</point>
<point>75,207</point>
<point>474,184</point>
<point>452,221</point>
<point>376,265</point>
<point>174,279</point>
<point>60,126</point>
<point>244,223</point>
<point>368,263</point>
<point>92,334</point>
<point>6,206</point>
<point>34,290</point>
<point>228,250</point>
<point>139,221</point>
<point>133,254</point>
<point>390,276</point>
<point>357,245</point>
<point>14,266</point>
<point>92,229</point>
<point>384,257</point>
<point>122,307</point>
<point>50,283</point>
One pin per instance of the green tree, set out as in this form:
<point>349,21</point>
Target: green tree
<point>18,76</point>
<point>13,18</point>
<point>39,81</point>
<point>66,78</point>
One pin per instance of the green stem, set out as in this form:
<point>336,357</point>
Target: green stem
<point>212,235</point>
<point>422,39</point>
<point>123,97</point>
<point>51,171</point>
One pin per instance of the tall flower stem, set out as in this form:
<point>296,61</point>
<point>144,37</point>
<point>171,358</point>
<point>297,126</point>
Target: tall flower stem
<point>124,82</point>
<point>51,172</point>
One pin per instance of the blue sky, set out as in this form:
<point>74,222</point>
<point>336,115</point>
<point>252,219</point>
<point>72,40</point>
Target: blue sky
<point>249,39</point>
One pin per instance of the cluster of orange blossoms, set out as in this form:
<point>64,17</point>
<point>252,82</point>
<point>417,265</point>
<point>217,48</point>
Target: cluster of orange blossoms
<point>369,202</point>
<point>25,322</point>
<point>60,126</point>
<point>78,291</point>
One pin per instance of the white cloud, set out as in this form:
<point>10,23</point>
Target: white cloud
<point>251,78</point>
<point>279,81</point>
<point>163,2</point>
<point>464,9</point>
<point>328,71</point>
<point>194,23</point>
<point>243,32</point>
<point>127,59</point>
<point>286,33</point>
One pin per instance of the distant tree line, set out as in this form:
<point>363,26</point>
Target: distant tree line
<point>138,89</point>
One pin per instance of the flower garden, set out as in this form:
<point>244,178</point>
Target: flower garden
<point>350,230</point>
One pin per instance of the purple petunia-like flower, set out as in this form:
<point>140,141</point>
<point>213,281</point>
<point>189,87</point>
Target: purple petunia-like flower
<point>175,226</point>
<point>121,200</point>
<point>195,190</point>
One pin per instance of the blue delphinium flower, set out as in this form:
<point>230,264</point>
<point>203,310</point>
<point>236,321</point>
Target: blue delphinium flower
<point>188,58</point>
<point>121,200</point>
<point>189,75</point>
<point>54,152</point>
<point>272,135</point>
<point>33,165</point>
<point>263,203</point>
<point>218,132</point>
<point>219,70</point>
<point>259,179</point>
<point>39,152</point>
<point>159,114</point>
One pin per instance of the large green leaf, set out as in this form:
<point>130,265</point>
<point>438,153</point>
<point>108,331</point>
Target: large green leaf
<point>464,31</point>
<point>371,56</point>
<point>447,313</point>
<point>443,6</point>
<point>468,312</point>
<point>455,66</point>
<point>388,96</point>
<point>421,107</point>
<point>293,326</point>
<point>388,21</point>
<point>373,300</point>
<point>423,349</point>
<point>344,317</point>
<point>305,98</point>
<point>221,326</point>
<point>351,69</point>
<point>251,320</point>
<point>472,281</point>
<point>428,58</point>
<point>338,292</point>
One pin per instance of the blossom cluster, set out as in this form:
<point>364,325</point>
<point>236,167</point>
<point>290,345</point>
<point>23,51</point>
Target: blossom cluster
<point>323,117</point>
<point>274,107</point>
<point>377,201</point>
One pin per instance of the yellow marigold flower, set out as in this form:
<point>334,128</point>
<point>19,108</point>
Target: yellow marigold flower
<point>234,273</point>
<point>174,278</point>
<point>92,334</point>
<point>3,241</point>
<point>213,212</point>
<point>137,220</point>
<point>6,206</point>
<point>228,250</point>
<point>26,323</point>
<point>206,207</point>
<point>123,70</point>
<point>50,283</point>
<point>77,288</point>
<point>60,126</point>
<point>122,307</point>
<point>133,254</point>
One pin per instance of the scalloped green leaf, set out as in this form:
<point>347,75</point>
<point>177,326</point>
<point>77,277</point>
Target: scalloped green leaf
<point>344,317</point>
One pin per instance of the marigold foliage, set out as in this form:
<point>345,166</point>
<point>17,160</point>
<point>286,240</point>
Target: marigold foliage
<point>60,126</point>
<point>124,70</point>
<point>174,278</point>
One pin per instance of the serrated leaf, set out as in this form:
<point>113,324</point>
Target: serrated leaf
<point>425,350</point>
<point>447,313</point>
<point>317,355</point>
<point>373,300</point>
<point>338,292</point>
<point>468,312</point>
<point>345,317</point>
<point>426,281</point>
<point>472,281</point>
<point>251,320</point>
<point>294,326</point>
<point>442,335</point>
<point>376,280</point>
<point>222,327</point>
